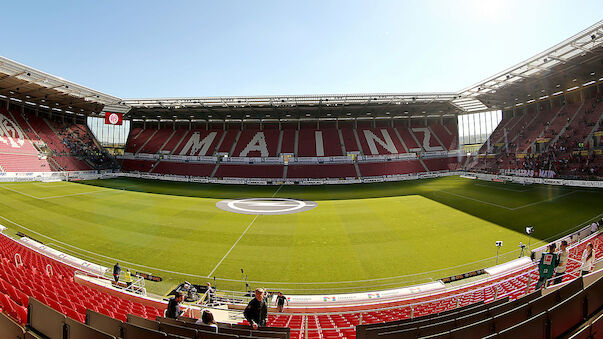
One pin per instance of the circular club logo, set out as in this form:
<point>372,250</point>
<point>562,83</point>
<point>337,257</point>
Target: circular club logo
<point>10,133</point>
<point>113,118</point>
<point>265,206</point>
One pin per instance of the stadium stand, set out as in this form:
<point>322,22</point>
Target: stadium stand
<point>391,168</point>
<point>307,141</point>
<point>40,144</point>
<point>559,138</point>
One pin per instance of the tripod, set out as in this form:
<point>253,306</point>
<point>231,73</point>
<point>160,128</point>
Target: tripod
<point>523,248</point>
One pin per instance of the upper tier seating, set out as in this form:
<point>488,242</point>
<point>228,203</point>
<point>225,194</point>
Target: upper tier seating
<point>311,142</point>
<point>375,141</point>
<point>176,168</point>
<point>390,168</point>
<point>37,144</point>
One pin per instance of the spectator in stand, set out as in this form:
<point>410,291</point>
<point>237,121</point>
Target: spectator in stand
<point>562,256</point>
<point>173,308</point>
<point>211,292</point>
<point>588,256</point>
<point>116,272</point>
<point>546,266</point>
<point>594,227</point>
<point>207,318</point>
<point>256,311</point>
<point>280,302</point>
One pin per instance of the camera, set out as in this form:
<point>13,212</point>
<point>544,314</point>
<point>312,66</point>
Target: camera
<point>522,245</point>
<point>499,243</point>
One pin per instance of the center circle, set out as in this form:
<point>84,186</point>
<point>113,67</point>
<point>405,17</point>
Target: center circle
<point>265,206</point>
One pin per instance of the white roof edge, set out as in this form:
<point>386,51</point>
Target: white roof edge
<point>297,96</point>
<point>74,89</point>
<point>586,32</point>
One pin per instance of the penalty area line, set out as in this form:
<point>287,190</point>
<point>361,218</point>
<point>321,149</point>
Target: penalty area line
<point>233,246</point>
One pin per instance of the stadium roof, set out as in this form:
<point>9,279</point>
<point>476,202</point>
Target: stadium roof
<point>573,63</point>
<point>36,87</point>
<point>568,66</point>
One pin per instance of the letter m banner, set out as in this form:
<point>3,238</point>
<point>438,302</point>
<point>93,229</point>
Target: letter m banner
<point>114,118</point>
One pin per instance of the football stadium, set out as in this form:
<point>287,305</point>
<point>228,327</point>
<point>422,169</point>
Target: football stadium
<point>465,214</point>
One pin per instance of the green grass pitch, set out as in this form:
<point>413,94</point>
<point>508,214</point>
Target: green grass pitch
<point>359,237</point>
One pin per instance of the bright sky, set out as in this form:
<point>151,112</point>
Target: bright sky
<point>204,48</point>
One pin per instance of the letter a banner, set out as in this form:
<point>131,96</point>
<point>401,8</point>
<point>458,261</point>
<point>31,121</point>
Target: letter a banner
<point>113,118</point>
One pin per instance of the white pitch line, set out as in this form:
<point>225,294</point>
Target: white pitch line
<point>69,195</point>
<point>25,194</point>
<point>279,188</point>
<point>483,202</point>
<point>509,208</point>
<point>539,202</point>
<point>54,196</point>
<point>233,246</point>
<point>502,188</point>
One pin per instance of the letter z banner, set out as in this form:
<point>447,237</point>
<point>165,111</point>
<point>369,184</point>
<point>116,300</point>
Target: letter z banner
<point>113,118</point>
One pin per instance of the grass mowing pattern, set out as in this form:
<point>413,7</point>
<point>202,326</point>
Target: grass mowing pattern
<point>360,237</point>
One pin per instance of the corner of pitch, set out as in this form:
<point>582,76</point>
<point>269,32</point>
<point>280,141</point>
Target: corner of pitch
<point>266,206</point>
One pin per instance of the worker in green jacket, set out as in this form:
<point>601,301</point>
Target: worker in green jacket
<point>546,266</point>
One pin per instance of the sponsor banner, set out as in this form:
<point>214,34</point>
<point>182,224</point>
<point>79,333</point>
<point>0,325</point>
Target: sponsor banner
<point>149,277</point>
<point>373,179</point>
<point>553,181</point>
<point>598,133</point>
<point>542,140</point>
<point>462,276</point>
<point>256,182</point>
<point>236,159</point>
<point>349,298</point>
<point>342,159</point>
<point>311,182</point>
<point>273,160</point>
<point>114,118</point>
<point>62,257</point>
<point>434,154</point>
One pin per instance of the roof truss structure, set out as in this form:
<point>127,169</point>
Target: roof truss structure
<point>575,62</point>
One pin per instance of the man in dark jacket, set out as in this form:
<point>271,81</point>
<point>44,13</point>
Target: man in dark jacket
<point>116,271</point>
<point>173,308</point>
<point>256,311</point>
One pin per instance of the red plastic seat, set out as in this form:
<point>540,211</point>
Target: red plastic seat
<point>21,313</point>
<point>55,305</point>
<point>75,315</point>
